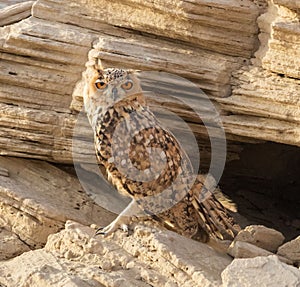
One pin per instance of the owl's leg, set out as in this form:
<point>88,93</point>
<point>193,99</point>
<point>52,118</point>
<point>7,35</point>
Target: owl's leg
<point>122,221</point>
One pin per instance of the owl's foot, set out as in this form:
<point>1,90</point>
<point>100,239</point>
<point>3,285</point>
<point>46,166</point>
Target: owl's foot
<point>119,223</point>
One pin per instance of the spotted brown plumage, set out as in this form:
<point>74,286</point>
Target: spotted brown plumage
<point>144,161</point>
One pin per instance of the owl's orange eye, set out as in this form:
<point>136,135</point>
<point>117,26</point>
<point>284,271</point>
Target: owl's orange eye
<point>127,85</point>
<point>100,85</point>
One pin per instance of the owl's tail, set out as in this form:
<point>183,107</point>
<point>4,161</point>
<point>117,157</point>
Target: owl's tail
<point>214,218</point>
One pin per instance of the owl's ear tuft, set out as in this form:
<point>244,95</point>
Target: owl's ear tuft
<point>98,66</point>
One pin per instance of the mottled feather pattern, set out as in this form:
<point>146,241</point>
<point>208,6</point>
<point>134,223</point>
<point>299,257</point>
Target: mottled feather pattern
<point>144,161</point>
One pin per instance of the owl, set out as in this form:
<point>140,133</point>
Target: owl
<point>143,160</point>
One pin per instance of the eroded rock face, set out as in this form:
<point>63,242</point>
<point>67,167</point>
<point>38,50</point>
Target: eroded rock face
<point>241,249</point>
<point>43,56</point>
<point>261,236</point>
<point>258,240</point>
<point>291,250</point>
<point>36,198</point>
<point>15,13</point>
<point>148,257</point>
<point>260,271</point>
<point>10,245</point>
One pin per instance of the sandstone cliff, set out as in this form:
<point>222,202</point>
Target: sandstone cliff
<point>243,54</point>
<point>212,43</point>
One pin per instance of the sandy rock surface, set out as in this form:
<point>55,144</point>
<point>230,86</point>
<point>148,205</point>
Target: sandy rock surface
<point>291,250</point>
<point>261,236</point>
<point>11,245</point>
<point>36,198</point>
<point>147,257</point>
<point>241,249</point>
<point>210,43</point>
<point>260,271</point>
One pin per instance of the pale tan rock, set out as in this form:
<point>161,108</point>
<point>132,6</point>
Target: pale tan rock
<point>15,13</point>
<point>262,128</point>
<point>257,92</point>
<point>263,105</point>
<point>188,258</point>
<point>48,72</point>
<point>41,61</point>
<point>208,70</point>
<point>35,117</point>
<point>10,245</point>
<point>40,268</point>
<point>261,236</point>
<point>279,37</point>
<point>42,58</point>
<point>4,172</point>
<point>224,27</point>
<point>147,257</point>
<point>241,249</point>
<point>284,52</point>
<point>260,271</point>
<point>291,4</point>
<point>264,22</point>
<point>45,73</point>
<point>37,198</point>
<point>291,250</point>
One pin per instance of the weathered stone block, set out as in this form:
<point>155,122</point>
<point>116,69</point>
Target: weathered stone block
<point>260,271</point>
<point>291,250</point>
<point>261,236</point>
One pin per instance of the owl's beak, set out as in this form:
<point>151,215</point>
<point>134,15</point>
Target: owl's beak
<point>115,93</point>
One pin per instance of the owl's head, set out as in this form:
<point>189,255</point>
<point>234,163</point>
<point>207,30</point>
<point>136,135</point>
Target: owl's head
<point>105,87</point>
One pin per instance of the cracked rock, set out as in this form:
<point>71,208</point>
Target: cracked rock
<point>291,250</point>
<point>261,236</point>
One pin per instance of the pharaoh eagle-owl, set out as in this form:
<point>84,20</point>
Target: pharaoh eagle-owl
<point>145,162</point>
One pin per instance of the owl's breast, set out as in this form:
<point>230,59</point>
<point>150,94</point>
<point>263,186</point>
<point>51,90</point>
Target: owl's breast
<point>140,156</point>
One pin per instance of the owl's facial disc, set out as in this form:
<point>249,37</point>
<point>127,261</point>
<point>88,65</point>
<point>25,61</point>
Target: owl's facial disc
<point>119,90</point>
<point>114,83</point>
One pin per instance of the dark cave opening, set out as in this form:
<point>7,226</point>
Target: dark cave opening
<point>265,185</point>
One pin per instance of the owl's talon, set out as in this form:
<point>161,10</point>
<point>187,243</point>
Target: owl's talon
<point>119,223</point>
<point>99,231</point>
<point>125,228</point>
<point>109,229</point>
